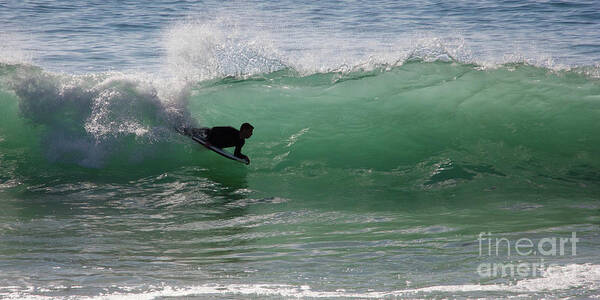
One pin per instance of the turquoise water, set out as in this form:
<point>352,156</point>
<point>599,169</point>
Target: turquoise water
<point>385,144</point>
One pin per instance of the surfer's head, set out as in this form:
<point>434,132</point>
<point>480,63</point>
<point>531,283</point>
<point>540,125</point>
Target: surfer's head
<point>246,130</point>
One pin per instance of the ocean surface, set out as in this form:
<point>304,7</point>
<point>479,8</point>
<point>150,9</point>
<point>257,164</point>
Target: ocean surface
<point>431,149</point>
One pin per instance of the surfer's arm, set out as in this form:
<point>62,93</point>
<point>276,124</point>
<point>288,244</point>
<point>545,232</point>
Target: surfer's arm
<point>238,152</point>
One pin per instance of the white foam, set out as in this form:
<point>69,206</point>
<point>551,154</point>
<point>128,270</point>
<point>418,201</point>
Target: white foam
<point>572,276</point>
<point>101,110</point>
<point>584,276</point>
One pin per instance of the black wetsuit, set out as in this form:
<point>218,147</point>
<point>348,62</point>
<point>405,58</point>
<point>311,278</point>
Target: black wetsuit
<point>224,137</point>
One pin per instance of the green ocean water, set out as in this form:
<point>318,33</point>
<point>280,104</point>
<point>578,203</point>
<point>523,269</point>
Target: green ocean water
<point>370,183</point>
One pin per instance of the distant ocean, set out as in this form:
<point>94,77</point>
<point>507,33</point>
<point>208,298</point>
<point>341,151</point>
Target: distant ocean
<point>438,149</point>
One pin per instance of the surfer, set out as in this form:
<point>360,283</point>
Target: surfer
<point>226,136</point>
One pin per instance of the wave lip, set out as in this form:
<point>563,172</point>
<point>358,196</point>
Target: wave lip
<point>202,51</point>
<point>221,48</point>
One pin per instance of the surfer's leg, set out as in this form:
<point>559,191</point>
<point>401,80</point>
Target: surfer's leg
<point>205,133</point>
<point>195,131</point>
<point>200,132</point>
